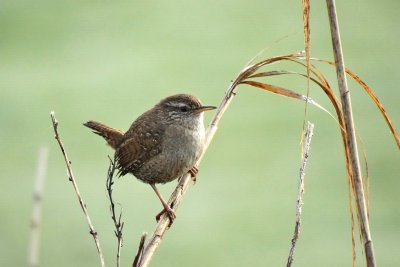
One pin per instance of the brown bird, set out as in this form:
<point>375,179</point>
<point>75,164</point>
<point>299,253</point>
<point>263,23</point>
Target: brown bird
<point>162,144</point>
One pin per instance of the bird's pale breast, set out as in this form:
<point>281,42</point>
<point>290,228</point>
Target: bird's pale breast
<point>180,149</point>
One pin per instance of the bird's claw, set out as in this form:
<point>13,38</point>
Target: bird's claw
<point>170,212</point>
<point>193,173</point>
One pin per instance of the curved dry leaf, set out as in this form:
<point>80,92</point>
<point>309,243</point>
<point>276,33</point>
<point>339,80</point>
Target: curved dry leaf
<point>373,97</point>
<point>285,92</point>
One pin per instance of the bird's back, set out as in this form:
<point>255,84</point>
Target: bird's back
<point>140,144</point>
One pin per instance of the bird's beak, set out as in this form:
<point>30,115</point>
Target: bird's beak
<point>204,108</point>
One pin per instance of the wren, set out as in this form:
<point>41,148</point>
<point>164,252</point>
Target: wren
<point>162,144</point>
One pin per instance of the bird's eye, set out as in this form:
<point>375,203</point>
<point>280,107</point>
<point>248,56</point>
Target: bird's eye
<point>183,108</point>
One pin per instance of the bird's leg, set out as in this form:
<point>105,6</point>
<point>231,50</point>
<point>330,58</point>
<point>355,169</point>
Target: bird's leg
<point>193,173</point>
<point>167,209</point>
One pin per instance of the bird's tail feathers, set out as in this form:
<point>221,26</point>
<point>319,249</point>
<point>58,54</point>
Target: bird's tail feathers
<point>111,135</point>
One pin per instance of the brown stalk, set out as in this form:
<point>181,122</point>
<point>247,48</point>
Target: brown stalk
<point>306,27</point>
<point>351,137</point>
<point>72,179</point>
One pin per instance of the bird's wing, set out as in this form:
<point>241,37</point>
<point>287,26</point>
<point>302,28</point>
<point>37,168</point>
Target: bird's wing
<point>139,146</point>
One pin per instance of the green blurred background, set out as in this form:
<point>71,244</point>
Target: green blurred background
<point>111,60</point>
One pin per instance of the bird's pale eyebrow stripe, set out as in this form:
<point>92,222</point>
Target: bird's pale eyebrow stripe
<point>177,104</point>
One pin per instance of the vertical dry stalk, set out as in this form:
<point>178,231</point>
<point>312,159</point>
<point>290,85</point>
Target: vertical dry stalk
<point>300,192</point>
<point>119,225</point>
<point>33,257</point>
<point>74,184</point>
<point>306,28</point>
<point>177,196</point>
<point>350,136</point>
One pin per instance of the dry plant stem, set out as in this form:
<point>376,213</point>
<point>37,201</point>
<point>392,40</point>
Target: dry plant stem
<point>74,184</point>
<point>300,191</point>
<point>163,223</point>
<point>177,196</point>
<point>33,257</point>
<point>306,27</point>
<point>119,225</point>
<point>139,252</point>
<point>351,137</point>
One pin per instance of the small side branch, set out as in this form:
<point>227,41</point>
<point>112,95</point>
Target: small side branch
<point>74,184</point>
<point>139,253</point>
<point>119,225</point>
<point>300,191</point>
<point>33,257</point>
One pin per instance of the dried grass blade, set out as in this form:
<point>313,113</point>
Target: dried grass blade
<point>373,97</point>
<point>284,92</point>
<point>377,103</point>
<point>319,79</point>
<point>324,86</point>
<point>249,70</point>
<point>275,89</point>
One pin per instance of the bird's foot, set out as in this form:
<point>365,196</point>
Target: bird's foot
<point>193,173</point>
<point>170,212</point>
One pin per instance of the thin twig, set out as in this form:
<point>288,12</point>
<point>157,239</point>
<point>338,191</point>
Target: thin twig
<point>351,136</point>
<point>139,252</point>
<point>74,184</point>
<point>179,193</point>
<point>300,191</point>
<point>33,257</point>
<point>117,222</point>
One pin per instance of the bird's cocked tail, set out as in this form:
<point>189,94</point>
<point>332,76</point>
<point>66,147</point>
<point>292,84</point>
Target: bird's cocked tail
<point>111,135</point>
